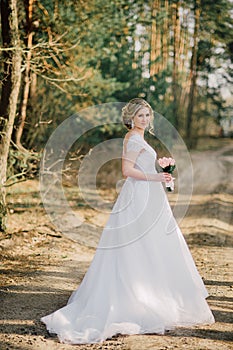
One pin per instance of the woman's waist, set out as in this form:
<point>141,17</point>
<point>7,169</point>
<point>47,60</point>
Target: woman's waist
<point>146,170</point>
<point>146,173</point>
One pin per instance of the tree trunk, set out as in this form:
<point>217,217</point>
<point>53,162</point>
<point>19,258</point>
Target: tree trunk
<point>23,108</point>
<point>165,37</point>
<point>184,64</point>
<point>6,81</point>
<point>10,37</point>
<point>176,40</point>
<point>193,74</point>
<point>155,40</point>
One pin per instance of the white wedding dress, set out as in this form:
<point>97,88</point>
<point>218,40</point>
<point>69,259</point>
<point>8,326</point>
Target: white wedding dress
<point>142,278</point>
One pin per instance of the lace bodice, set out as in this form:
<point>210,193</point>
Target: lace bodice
<point>147,155</point>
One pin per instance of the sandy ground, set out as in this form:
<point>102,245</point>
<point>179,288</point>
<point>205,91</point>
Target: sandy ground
<point>40,267</point>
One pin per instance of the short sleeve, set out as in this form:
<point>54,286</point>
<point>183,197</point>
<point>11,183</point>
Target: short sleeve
<point>134,144</point>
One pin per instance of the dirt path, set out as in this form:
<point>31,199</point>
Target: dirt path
<point>40,268</point>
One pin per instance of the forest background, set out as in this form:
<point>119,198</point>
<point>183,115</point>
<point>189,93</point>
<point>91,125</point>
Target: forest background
<point>59,57</point>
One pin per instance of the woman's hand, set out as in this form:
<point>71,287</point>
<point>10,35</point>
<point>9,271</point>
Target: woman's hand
<point>163,177</point>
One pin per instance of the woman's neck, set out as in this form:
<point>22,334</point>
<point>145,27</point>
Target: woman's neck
<point>138,131</point>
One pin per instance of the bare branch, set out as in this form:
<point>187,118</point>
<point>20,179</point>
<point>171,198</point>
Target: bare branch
<point>61,80</point>
<point>59,87</point>
<point>14,177</point>
<point>15,182</point>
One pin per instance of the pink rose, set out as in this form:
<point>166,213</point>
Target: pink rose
<point>164,162</point>
<point>172,161</point>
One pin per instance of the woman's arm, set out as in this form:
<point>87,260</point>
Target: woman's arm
<point>128,170</point>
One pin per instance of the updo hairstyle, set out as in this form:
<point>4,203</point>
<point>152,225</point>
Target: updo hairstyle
<point>131,108</point>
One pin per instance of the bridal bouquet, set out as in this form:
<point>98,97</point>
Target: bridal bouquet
<point>168,166</point>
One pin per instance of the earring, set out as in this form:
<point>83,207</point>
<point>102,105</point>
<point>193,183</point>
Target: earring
<point>132,124</point>
<point>151,129</point>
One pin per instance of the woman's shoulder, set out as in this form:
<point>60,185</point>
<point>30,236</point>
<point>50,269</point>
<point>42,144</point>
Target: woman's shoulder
<point>133,142</point>
<point>132,135</point>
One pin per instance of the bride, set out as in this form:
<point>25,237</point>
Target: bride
<point>142,278</point>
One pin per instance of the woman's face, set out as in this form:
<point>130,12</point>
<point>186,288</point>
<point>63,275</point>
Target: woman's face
<point>142,118</point>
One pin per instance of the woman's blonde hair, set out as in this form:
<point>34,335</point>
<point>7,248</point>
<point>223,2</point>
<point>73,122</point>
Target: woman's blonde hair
<point>131,108</point>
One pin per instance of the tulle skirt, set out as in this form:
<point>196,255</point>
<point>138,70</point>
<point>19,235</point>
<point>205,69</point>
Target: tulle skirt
<point>142,278</point>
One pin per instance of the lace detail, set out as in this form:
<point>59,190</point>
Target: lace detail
<point>135,144</point>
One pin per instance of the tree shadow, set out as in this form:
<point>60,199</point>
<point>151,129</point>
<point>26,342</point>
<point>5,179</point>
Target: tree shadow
<point>31,306</point>
<point>211,334</point>
<point>6,345</point>
<point>214,209</point>
<point>22,305</point>
<point>210,240</point>
<point>223,316</point>
<point>219,283</point>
